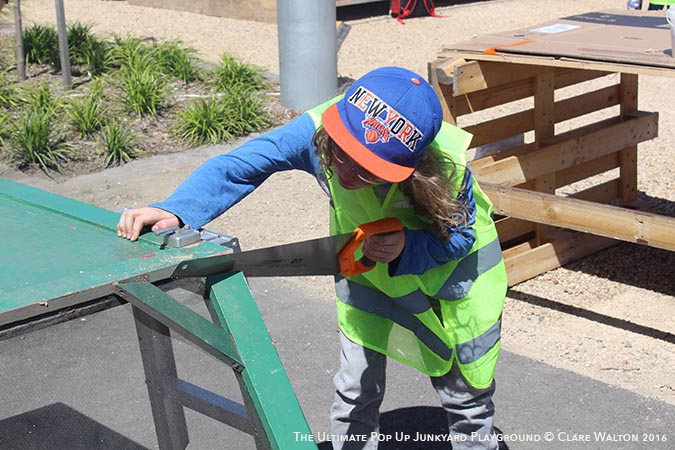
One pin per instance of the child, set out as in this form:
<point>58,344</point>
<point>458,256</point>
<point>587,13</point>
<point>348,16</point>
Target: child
<point>435,299</point>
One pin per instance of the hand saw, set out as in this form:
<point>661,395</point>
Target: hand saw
<point>324,256</point>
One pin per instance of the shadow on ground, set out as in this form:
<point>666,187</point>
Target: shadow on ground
<point>57,427</point>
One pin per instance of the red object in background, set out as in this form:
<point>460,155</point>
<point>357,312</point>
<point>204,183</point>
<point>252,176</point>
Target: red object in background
<point>411,9</point>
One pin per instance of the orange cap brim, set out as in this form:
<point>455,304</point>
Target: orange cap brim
<point>381,168</point>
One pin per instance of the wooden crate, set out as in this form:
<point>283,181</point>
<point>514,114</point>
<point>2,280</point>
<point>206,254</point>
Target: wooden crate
<point>574,162</point>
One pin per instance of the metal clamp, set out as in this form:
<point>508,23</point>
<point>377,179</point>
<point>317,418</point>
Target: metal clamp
<point>182,237</point>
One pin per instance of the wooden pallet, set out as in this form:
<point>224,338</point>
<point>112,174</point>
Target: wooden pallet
<point>574,162</point>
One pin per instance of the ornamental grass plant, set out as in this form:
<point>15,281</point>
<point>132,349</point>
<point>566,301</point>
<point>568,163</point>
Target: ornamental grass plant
<point>130,97</point>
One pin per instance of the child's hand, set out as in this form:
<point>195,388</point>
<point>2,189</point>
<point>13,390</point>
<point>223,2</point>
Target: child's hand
<point>384,248</point>
<point>132,221</point>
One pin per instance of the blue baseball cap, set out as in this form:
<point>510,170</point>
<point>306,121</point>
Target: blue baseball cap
<point>385,122</point>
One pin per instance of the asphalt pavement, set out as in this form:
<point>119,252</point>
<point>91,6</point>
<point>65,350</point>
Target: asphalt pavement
<point>79,385</point>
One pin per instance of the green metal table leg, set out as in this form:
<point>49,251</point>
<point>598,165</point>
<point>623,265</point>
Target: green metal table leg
<point>263,376</point>
<point>239,338</point>
<point>160,372</point>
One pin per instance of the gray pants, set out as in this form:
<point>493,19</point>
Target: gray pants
<point>360,386</point>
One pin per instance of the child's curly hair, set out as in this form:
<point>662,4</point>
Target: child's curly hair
<point>431,186</point>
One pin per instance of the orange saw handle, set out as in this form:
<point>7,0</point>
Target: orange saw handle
<point>346,261</point>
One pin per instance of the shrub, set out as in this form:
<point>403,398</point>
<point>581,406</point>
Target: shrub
<point>233,74</point>
<point>37,97</point>
<point>126,50</point>
<point>41,45</point>
<point>8,93</point>
<point>34,142</point>
<point>220,118</point>
<point>117,143</point>
<point>176,61</point>
<point>87,50</point>
<point>245,113</point>
<point>144,86</point>
<point>87,114</point>
<point>202,122</point>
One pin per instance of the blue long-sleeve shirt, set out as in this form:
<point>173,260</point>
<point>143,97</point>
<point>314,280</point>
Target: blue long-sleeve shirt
<point>223,181</point>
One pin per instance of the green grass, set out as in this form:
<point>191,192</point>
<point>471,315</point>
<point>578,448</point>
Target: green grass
<point>41,45</point>
<point>117,144</point>
<point>231,73</point>
<point>143,84</point>
<point>177,61</point>
<point>87,114</point>
<point>33,142</point>
<point>86,50</point>
<point>37,96</point>
<point>202,122</point>
<point>132,80</point>
<point>8,93</point>
<point>220,118</point>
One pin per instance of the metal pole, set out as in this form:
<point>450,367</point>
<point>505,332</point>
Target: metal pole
<point>307,52</point>
<point>63,44</point>
<point>18,31</point>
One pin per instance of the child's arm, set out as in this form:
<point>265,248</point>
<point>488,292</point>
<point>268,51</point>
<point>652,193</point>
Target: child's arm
<point>222,181</point>
<point>424,250</point>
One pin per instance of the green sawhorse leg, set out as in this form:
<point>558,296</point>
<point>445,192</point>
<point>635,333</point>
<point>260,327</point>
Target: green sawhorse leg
<point>238,337</point>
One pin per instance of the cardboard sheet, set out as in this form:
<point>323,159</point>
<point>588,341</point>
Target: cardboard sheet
<point>618,36</point>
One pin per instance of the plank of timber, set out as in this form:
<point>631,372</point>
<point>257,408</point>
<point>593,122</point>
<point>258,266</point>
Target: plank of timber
<point>524,121</point>
<point>517,90</point>
<point>628,156</point>
<point>530,262</point>
<point>501,128</point>
<point>440,74</point>
<point>444,69</point>
<point>488,160</point>
<point>586,170</point>
<point>601,193</point>
<point>607,138</point>
<point>510,229</point>
<point>586,103</point>
<point>474,76</point>
<point>562,62</point>
<point>544,129</point>
<point>588,217</point>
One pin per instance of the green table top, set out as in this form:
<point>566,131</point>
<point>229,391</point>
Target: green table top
<point>59,252</point>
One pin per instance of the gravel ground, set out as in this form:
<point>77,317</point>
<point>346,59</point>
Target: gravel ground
<point>606,317</point>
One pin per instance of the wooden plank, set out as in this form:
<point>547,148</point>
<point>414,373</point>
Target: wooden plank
<point>514,251</point>
<point>588,169</point>
<point>603,220</point>
<point>544,129</point>
<point>510,229</point>
<point>562,62</point>
<point>517,90</point>
<point>523,121</point>
<point>605,138</point>
<point>628,157</point>
<point>602,193</point>
<point>586,103</point>
<point>443,70</point>
<point>440,78</point>
<point>488,160</point>
<point>528,263</point>
<point>501,128</point>
<point>474,76</point>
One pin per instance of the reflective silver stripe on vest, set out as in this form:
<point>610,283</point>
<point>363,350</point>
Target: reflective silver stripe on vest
<point>375,302</point>
<point>468,270</point>
<point>476,348</point>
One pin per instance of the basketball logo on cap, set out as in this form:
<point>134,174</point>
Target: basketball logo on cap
<point>382,121</point>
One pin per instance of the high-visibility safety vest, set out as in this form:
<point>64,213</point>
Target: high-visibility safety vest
<point>451,313</point>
